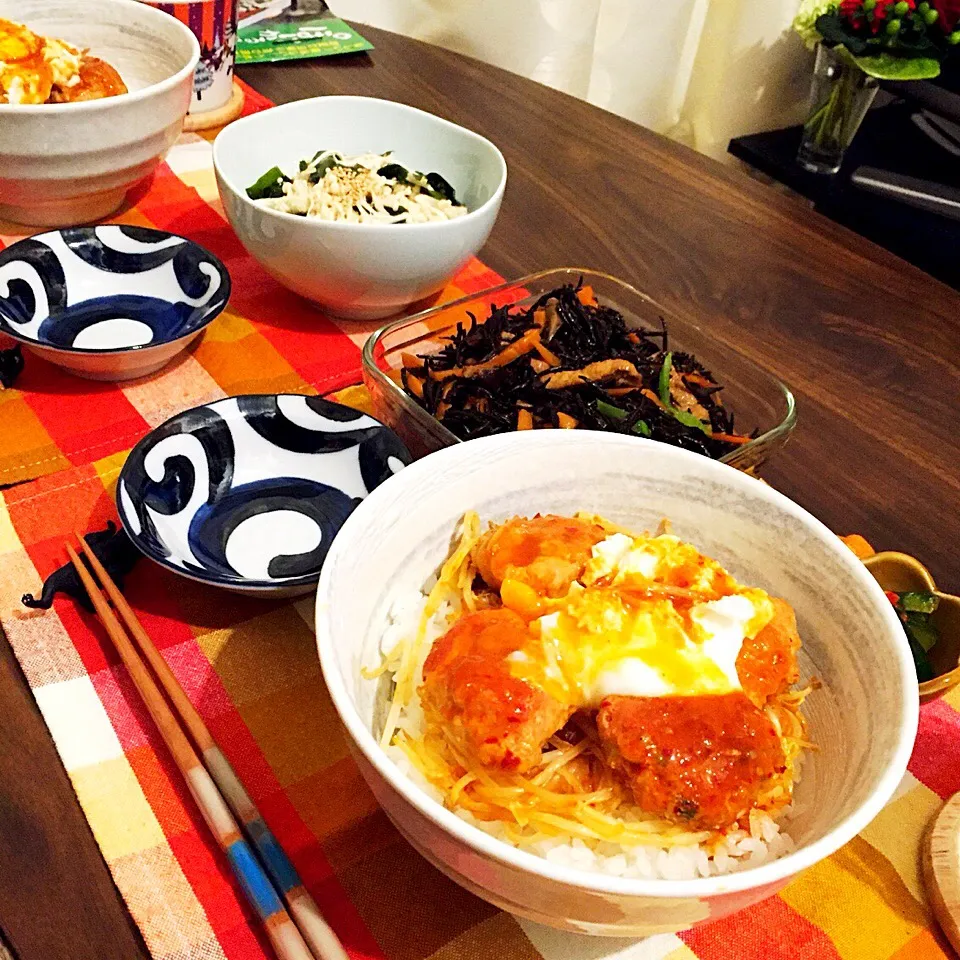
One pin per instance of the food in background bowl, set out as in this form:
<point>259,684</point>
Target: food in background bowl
<point>604,398</point>
<point>35,69</point>
<point>66,163</point>
<point>362,270</point>
<point>369,188</point>
<point>569,361</point>
<point>862,718</point>
<point>615,703</point>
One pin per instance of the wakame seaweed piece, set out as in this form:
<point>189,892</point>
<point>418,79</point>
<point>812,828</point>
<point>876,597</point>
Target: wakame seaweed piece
<point>320,171</point>
<point>394,171</point>
<point>269,186</point>
<point>441,189</point>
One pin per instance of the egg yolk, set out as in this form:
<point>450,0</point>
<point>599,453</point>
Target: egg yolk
<point>650,617</point>
<point>30,65</point>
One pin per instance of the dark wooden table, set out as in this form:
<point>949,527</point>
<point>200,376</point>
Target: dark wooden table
<point>888,140</point>
<point>870,345</point>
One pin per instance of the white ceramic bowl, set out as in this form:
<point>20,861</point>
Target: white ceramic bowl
<point>864,718</point>
<point>368,270</point>
<point>68,163</point>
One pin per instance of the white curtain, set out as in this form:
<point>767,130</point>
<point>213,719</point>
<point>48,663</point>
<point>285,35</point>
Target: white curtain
<point>702,71</point>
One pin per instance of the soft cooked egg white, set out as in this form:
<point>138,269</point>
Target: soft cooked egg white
<point>30,64</point>
<point>616,634</point>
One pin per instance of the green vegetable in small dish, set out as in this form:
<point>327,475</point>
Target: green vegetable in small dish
<point>914,609</point>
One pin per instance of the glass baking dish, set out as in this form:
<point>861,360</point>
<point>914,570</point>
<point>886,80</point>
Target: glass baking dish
<point>759,401</point>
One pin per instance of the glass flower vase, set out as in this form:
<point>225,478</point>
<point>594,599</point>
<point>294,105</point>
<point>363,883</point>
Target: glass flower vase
<point>840,95</point>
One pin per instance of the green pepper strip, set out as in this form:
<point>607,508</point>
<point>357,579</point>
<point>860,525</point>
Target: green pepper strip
<point>609,410</point>
<point>615,413</point>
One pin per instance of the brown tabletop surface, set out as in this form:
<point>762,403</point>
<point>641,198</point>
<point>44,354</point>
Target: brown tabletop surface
<point>869,344</point>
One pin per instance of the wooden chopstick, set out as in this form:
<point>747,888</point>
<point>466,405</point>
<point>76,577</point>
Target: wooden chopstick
<point>322,940</point>
<point>280,928</point>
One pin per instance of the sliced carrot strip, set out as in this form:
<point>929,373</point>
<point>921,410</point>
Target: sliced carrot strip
<point>586,297</point>
<point>524,420</point>
<point>859,545</point>
<point>547,355</point>
<point>650,395</point>
<point>566,421</point>
<point>518,348</point>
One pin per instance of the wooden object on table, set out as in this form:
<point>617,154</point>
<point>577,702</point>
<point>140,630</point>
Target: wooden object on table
<point>219,117</point>
<point>50,859</point>
<point>941,869</point>
<point>853,330</point>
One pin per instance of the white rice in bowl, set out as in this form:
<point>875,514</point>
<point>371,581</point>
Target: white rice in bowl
<point>737,849</point>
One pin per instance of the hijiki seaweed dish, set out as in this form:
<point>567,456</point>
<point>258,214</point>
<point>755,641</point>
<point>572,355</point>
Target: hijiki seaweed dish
<point>567,361</point>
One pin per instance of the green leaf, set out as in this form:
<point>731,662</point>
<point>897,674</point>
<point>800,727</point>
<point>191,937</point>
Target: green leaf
<point>924,668</point>
<point>269,186</point>
<point>918,601</point>
<point>835,33</point>
<point>327,163</point>
<point>920,630</point>
<point>887,66</point>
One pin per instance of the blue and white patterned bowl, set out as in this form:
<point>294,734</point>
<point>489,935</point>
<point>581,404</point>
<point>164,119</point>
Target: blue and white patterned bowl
<point>247,493</point>
<point>109,302</point>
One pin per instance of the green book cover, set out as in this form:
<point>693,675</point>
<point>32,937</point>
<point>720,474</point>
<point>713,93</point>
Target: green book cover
<point>271,30</point>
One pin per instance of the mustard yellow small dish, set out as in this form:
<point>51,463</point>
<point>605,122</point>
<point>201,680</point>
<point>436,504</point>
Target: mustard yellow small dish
<point>898,573</point>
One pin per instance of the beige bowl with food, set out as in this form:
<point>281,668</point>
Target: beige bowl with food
<point>863,718</point>
<point>63,164</point>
